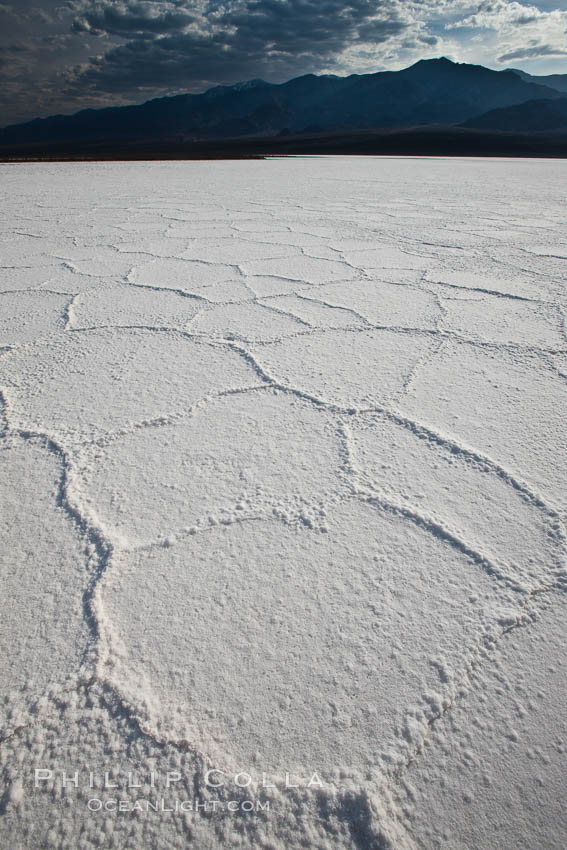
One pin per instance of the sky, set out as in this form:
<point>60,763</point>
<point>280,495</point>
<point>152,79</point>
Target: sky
<point>59,56</point>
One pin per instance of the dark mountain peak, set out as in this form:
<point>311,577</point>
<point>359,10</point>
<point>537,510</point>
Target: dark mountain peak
<point>438,67</point>
<point>444,69</point>
<point>438,62</point>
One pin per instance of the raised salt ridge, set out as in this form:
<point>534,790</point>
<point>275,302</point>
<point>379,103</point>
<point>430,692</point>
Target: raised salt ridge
<point>283,499</point>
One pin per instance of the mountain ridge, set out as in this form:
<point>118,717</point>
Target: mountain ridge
<point>534,116</point>
<point>429,92</point>
<point>557,81</point>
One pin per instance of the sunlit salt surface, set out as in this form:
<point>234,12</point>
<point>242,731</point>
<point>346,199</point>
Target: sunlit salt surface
<point>282,504</point>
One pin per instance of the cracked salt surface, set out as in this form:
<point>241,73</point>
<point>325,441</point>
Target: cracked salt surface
<point>283,492</point>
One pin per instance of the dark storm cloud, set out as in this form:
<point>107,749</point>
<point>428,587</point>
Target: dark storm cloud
<point>294,25</point>
<point>131,19</point>
<point>63,55</point>
<point>379,31</point>
<point>228,42</point>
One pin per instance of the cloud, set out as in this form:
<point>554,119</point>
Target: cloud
<point>172,44</point>
<point>30,14</point>
<point>493,14</point>
<point>534,52</point>
<point>130,19</point>
<point>513,30</point>
<point>62,55</point>
<point>379,31</point>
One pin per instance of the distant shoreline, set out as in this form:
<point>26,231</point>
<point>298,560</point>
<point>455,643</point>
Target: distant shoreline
<point>422,141</point>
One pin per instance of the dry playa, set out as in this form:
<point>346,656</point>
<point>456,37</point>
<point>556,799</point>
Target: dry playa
<point>282,505</point>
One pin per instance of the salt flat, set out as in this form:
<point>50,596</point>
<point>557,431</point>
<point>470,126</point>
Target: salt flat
<point>283,505</point>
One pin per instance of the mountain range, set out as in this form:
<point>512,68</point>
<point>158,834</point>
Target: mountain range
<point>434,92</point>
